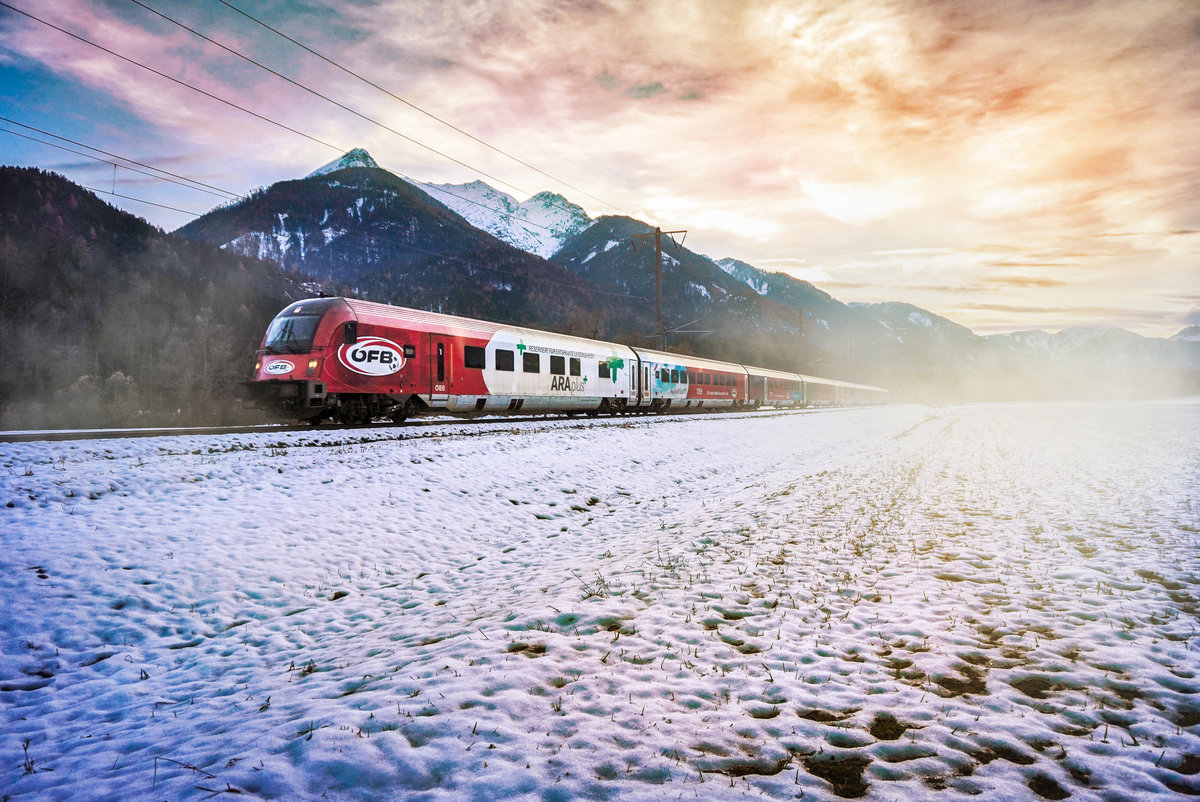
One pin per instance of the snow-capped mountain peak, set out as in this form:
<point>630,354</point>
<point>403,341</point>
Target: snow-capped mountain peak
<point>539,225</point>
<point>356,157</point>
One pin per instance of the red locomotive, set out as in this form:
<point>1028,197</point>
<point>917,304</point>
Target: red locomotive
<point>354,361</point>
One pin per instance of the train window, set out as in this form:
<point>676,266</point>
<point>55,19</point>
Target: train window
<point>441,362</point>
<point>708,378</point>
<point>675,376</point>
<point>291,335</point>
<point>602,370</point>
<point>350,335</point>
<point>575,367</point>
<point>410,351</point>
<point>663,376</point>
<point>504,359</point>
<point>531,363</point>
<point>558,366</point>
<point>474,357</point>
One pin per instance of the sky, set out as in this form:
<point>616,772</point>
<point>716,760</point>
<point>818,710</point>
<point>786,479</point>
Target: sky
<point>1009,164</point>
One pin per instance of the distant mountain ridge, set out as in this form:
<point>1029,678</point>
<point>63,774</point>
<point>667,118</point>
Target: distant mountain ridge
<point>362,230</point>
<point>539,225</point>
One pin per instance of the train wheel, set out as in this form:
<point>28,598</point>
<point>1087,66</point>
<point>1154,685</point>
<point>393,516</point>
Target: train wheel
<point>403,413</point>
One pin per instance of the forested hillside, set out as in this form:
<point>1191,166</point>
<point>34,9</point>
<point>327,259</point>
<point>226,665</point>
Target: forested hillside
<point>107,320</point>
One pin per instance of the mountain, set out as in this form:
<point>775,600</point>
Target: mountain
<point>107,320</point>
<point>364,231</point>
<point>706,311</point>
<point>1111,347</point>
<point>539,225</point>
<point>357,157</point>
<point>472,250</point>
<point>1189,335</point>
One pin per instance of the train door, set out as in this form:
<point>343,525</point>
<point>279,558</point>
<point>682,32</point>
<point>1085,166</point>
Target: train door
<point>441,366</point>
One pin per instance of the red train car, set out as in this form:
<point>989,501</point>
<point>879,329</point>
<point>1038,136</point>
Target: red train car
<point>354,361</point>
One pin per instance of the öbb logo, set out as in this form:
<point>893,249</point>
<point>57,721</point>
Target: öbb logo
<point>372,356</point>
<point>279,367</point>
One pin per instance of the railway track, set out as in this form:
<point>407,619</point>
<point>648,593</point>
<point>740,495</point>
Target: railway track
<point>58,435</point>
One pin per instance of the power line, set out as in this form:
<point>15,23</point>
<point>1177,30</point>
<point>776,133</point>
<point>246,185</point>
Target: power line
<point>139,200</point>
<point>231,104</point>
<point>417,108</point>
<point>210,95</point>
<point>213,191</point>
<point>330,100</point>
<point>280,125</point>
<point>582,286</point>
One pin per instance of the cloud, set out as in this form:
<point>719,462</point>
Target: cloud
<point>646,90</point>
<point>1024,281</point>
<point>877,143</point>
<point>607,80</point>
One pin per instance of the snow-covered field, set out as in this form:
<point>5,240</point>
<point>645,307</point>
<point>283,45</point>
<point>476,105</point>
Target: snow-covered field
<point>898,603</point>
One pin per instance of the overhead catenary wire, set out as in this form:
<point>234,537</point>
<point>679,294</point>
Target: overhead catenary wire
<point>181,182</point>
<point>580,287</point>
<point>139,200</point>
<point>174,80</point>
<point>332,101</point>
<point>417,108</point>
<point>191,183</point>
<point>231,104</point>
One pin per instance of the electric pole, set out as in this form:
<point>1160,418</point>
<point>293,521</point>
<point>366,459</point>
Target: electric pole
<point>638,241</point>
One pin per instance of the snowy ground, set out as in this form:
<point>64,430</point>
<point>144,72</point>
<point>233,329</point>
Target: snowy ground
<point>898,603</point>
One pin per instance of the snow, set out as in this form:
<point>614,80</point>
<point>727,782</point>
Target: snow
<point>612,243</point>
<point>538,225</point>
<point>567,609</point>
<point>699,289</point>
<point>353,158</point>
<point>749,275</point>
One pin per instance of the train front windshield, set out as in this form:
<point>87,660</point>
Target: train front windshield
<point>292,331</point>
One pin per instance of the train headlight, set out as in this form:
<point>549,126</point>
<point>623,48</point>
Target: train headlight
<point>258,366</point>
<point>312,367</point>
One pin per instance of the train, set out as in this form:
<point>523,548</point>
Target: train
<point>351,361</point>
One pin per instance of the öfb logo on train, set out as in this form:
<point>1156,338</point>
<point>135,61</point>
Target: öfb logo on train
<point>279,367</point>
<point>372,356</point>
